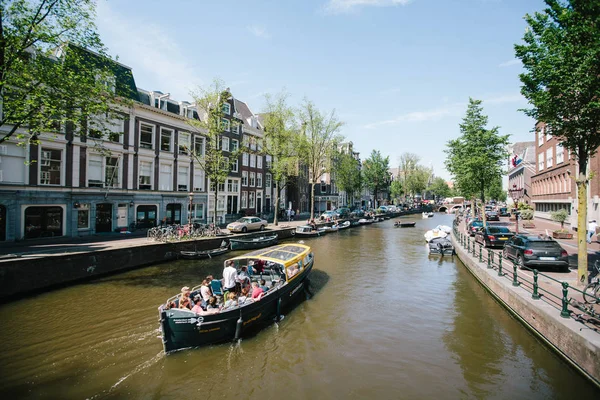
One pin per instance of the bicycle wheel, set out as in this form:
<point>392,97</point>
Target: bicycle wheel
<point>590,293</point>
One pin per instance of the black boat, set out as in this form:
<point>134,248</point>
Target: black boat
<point>441,246</point>
<point>253,242</point>
<point>306,231</point>
<point>287,270</point>
<point>405,224</point>
<point>194,255</point>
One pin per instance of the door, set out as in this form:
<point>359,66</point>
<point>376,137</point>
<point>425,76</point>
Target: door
<point>103,217</point>
<point>2,223</point>
<point>122,215</point>
<point>259,209</point>
<point>230,205</point>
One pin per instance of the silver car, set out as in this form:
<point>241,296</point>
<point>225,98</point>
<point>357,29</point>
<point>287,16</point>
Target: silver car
<point>246,224</point>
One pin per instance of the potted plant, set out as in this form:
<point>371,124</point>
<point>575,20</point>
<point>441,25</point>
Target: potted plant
<point>561,216</point>
<point>527,216</point>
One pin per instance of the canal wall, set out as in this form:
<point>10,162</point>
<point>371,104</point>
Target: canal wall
<point>22,276</point>
<point>580,347</point>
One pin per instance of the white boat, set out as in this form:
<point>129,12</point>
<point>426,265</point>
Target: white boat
<point>444,228</point>
<point>306,231</point>
<point>433,234</point>
<point>328,229</point>
<point>343,225</point>
<point>364,221</point>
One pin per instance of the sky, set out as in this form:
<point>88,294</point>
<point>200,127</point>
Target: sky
<point>398,73</point>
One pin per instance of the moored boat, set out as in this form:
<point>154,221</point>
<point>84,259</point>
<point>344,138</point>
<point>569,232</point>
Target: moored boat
<point>306,231</point>
<point>343,225</point>
<point>194,255</point>
<point>441,246</point>
<point>401,224</point>
<point>287,269</point>
<point>253,242</point>
<point>364,221</point>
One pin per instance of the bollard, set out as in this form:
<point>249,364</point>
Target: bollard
<point>489,259</point>
<point>500,264</point>
<point>565,302</point>
<point>515,282</point>
<point>480,250</point>
<point>468,244</point>
<point>535,295</point>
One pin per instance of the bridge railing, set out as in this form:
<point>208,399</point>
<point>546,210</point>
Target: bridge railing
<point>569,302</point>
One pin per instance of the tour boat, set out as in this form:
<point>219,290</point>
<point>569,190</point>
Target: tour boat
<point>442,246</point>
<point>192,255</point>
<point>306,231</point>
<point>287,270</point>
<point>249,243</point>
<point>434,234</point>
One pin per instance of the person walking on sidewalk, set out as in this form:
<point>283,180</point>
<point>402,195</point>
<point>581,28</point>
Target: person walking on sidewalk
<point>591,231</point>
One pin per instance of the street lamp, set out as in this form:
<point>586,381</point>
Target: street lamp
<point>191,197</point>
<point>514,193</point>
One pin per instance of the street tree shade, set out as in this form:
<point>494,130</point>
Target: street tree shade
<point>55,72</point>
<point>216,165</point>
<point>319,139</point>
<point>376,174</point>
<point>475,159</point>
<point>561,58</point>
<point>281,143</point>
<point>396,190</point>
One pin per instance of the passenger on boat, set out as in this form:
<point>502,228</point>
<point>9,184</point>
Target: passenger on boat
<point>263,285</point>
<point>259,266</point>
<point>197,309</point>
<point>205,292</point>
<point>184,300</point>
<point>212,304</point>
<point>292,270</point>
<point>257,292</point>
<point>229,276</point>
<point>231,301</point>
<point>243,277</point>
<point>243,296</point>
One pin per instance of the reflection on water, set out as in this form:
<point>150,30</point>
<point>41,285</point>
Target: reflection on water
<point>386,321</point>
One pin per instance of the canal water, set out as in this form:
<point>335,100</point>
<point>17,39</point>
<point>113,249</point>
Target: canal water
<point>386,322</point>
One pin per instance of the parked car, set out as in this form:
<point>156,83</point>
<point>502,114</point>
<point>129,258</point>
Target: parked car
<point>473,226</point>
<point>246,224</point>
<point>492,216</point>
<point>343,212</point>
<point>329,214</point>
<point>503,212</point>
<point>535,252</point>
<point>493,236</point>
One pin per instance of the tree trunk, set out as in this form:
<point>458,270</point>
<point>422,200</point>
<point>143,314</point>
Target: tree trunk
<point>582,256</point>
<point>216,197</point>
<point>276,213</point>
<point>483,206</point>
<point>312,201</point>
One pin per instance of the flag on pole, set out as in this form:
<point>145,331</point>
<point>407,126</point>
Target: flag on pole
<point>516,160</point>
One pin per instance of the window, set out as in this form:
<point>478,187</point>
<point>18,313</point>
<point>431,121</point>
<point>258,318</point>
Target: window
<point>234,167</point>
<point>83,216</point>
<point>197,211</point>
<point>549,158</point>
<point>246,141</point>
<point>245,159</point>
<point>145,216</point>
<point>198,145</point>
<point>244,178</point>
<point>227,108</point>
<point>252,179</point>
<point>173,213</point>
<point>184,143</point>
<point>235,129</point>
<point>235,145</point>
<point>252,160</point>
<point>323,187</point>
<point>166,177</point>
<point>43,222</point>
<point>540,161</point>
<point>236,186</point>
<point>166,138</point>
<point>225,143</point>
<point>259,179</point>
<point>198,180</point>
<point>259,162</point>
<point>182,178</point>
<point>560,154</point>
<point>229,185</point>
<point>548,133</point>
<point>244,200</point>
<point>225,124</point>
<point>541,134</point>
<point>111,172</point>
<point>267,161</point>
<point>251,200</point>
<point>50,166</point>
<point>145,179</point>
<point>267,181</point>
<point>146,136</point>
<point>95,171</point>
<point>222,187</point>
<point>116,130</point>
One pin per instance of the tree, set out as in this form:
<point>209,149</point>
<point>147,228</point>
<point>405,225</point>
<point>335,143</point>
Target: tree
<point>48,78</point>
<point>347,172</point>
<point>439,188</point>
<point>318,143</point>
<point>396,190</point>
<point>476,158</point>
<point>561,58</point>
<point>495,191</point>
<point>408,164</point>
<point>417,180</point>
<point>376,173</point>
<point>281,143</point>
<point>215,164</point>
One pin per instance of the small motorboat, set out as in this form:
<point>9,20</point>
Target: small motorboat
<point>427,214</point>
<point>306,231</point>
<point>433,234</point>
<point>328,229</point>
<point>249,243</point>
<point>364,221</point>
<point>196,255</point>
<point>400,224</point>
<point>354,223</point>
<point>441,246</point>
<point>343,225</point>
<point>444,228</point>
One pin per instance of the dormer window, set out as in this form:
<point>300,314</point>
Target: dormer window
<point>227,108</point>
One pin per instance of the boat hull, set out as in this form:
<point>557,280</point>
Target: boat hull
<point>249,244</point>
<point>308,234</point>
<point>182,329</point>
<point>196,255</point>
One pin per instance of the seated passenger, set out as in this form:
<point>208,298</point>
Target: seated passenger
<point>243,296</point>
<point>184,300</point>
<point>259,266</point>
<point>243,277</point>
<point>257,292</point>
<point>231,301</point>
<point>292,270</point>
<point>205,291</point>
<point>212,304</point>
<point>263,285</point>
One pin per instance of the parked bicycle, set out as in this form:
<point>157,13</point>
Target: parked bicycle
<point>591,293</point>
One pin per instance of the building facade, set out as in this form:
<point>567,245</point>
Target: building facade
<point>521,167</point>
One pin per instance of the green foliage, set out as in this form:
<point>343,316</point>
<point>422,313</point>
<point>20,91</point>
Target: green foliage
<point>417,179</point>
<point>214,162</point>
<point>524,206</point>
<point>526,215</point>
<point>560,216</point>
<point>476,158</point>
<point>396,190</point>
<point>281,142</point>
<point>440,188</point>
<point>375,171</point>
<point>561,58</point>
<point>47,79</point>
<point>495,191</point>
<point>408,165</point>
<point>347,173</point>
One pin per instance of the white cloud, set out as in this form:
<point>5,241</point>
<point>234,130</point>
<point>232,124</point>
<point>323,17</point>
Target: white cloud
<point>152,52</point>
<point>259,31</point>
<point>348,6</point>
<point>510,63</point>
<point>421,116</point>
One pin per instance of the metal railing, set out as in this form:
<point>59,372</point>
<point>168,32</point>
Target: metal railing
<point>566,303</point>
